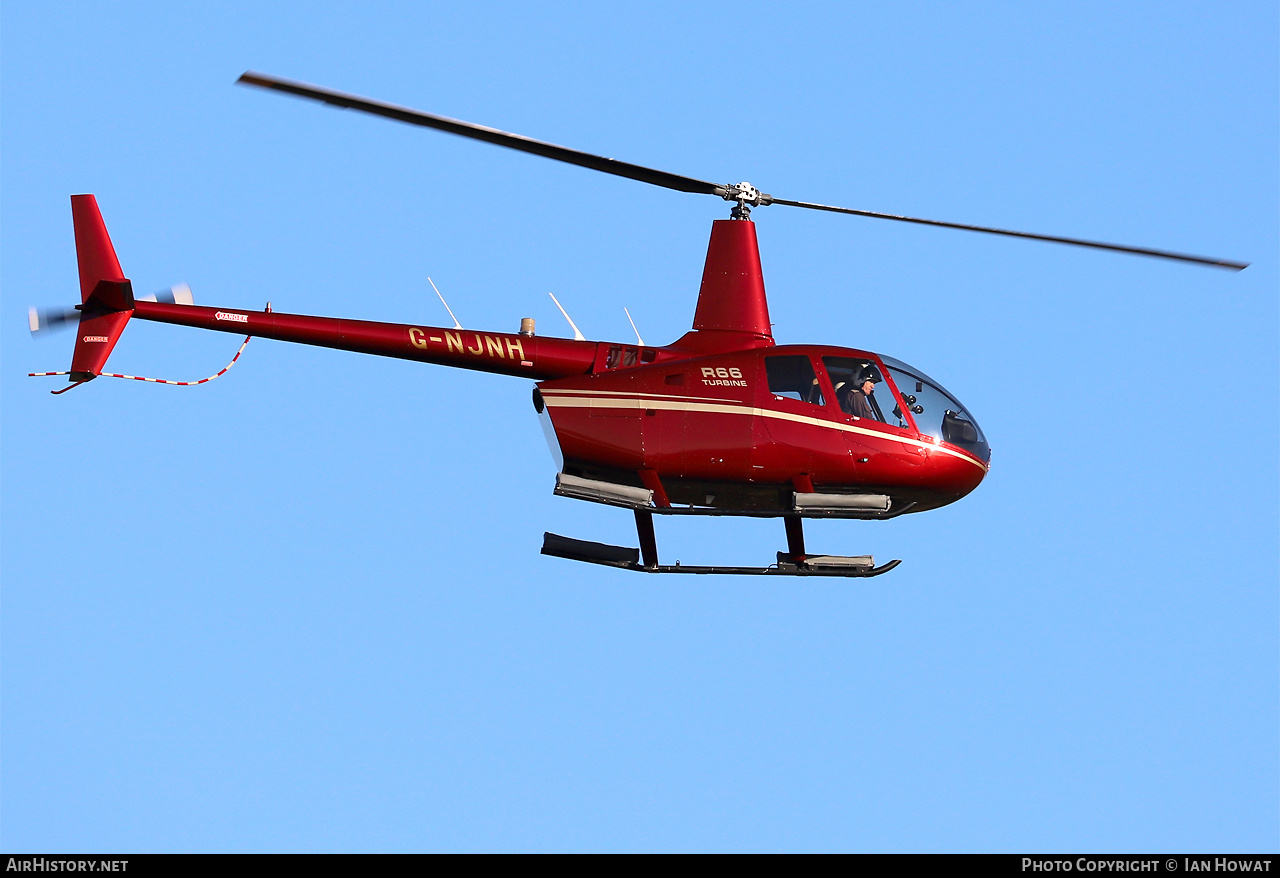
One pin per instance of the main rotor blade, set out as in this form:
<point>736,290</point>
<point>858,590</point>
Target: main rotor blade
<point>481,132</point>
<point>743,193</point>
<point>1077,242</point>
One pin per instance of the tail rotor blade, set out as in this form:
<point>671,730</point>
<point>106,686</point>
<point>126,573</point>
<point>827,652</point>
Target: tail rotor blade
<point>175,295</point>
<point>44,319</point>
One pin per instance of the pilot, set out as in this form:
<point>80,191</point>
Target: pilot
<point>860,399</point>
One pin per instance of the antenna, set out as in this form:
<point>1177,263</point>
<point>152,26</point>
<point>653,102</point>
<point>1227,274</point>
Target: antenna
<point>456,324</point>
<point>633,328</point>
<point>577,333</point>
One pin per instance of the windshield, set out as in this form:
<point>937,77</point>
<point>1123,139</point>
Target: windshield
<point>937,412</point>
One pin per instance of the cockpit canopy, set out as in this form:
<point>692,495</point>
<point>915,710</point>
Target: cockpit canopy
<point>936,412</point>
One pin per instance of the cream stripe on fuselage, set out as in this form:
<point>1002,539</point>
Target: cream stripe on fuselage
<point>676,404</point>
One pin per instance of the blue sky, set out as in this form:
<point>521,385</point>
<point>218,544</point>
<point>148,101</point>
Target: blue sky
<point>302,608</point>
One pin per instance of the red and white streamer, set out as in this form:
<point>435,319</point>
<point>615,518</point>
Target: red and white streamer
<point>159,380</point>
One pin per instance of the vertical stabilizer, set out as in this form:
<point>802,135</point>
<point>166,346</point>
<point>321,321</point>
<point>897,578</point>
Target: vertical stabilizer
<point>105,293</point>
<point>94,253</point>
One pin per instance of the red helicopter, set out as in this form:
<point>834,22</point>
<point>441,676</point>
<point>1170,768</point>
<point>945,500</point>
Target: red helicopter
<point>722,421</point>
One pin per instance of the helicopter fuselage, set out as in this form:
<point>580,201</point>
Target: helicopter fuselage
<point>722,419</point>
<point>736,430</point>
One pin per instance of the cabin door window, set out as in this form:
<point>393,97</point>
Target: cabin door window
<point>793,378</point>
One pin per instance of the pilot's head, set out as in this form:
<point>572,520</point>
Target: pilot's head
<point>868,384</point>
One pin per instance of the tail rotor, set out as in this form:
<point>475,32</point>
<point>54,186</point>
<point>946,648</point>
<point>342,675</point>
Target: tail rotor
<point>43,320</point>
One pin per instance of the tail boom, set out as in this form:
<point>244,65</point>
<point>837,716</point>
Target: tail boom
<point>502,353</point>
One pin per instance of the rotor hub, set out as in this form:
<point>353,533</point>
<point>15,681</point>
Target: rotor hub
<point>746,196</point>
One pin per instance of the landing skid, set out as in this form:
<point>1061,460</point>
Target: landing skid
<point>791,563</point>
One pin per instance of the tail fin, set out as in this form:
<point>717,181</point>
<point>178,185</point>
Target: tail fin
<point>106,294</point>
